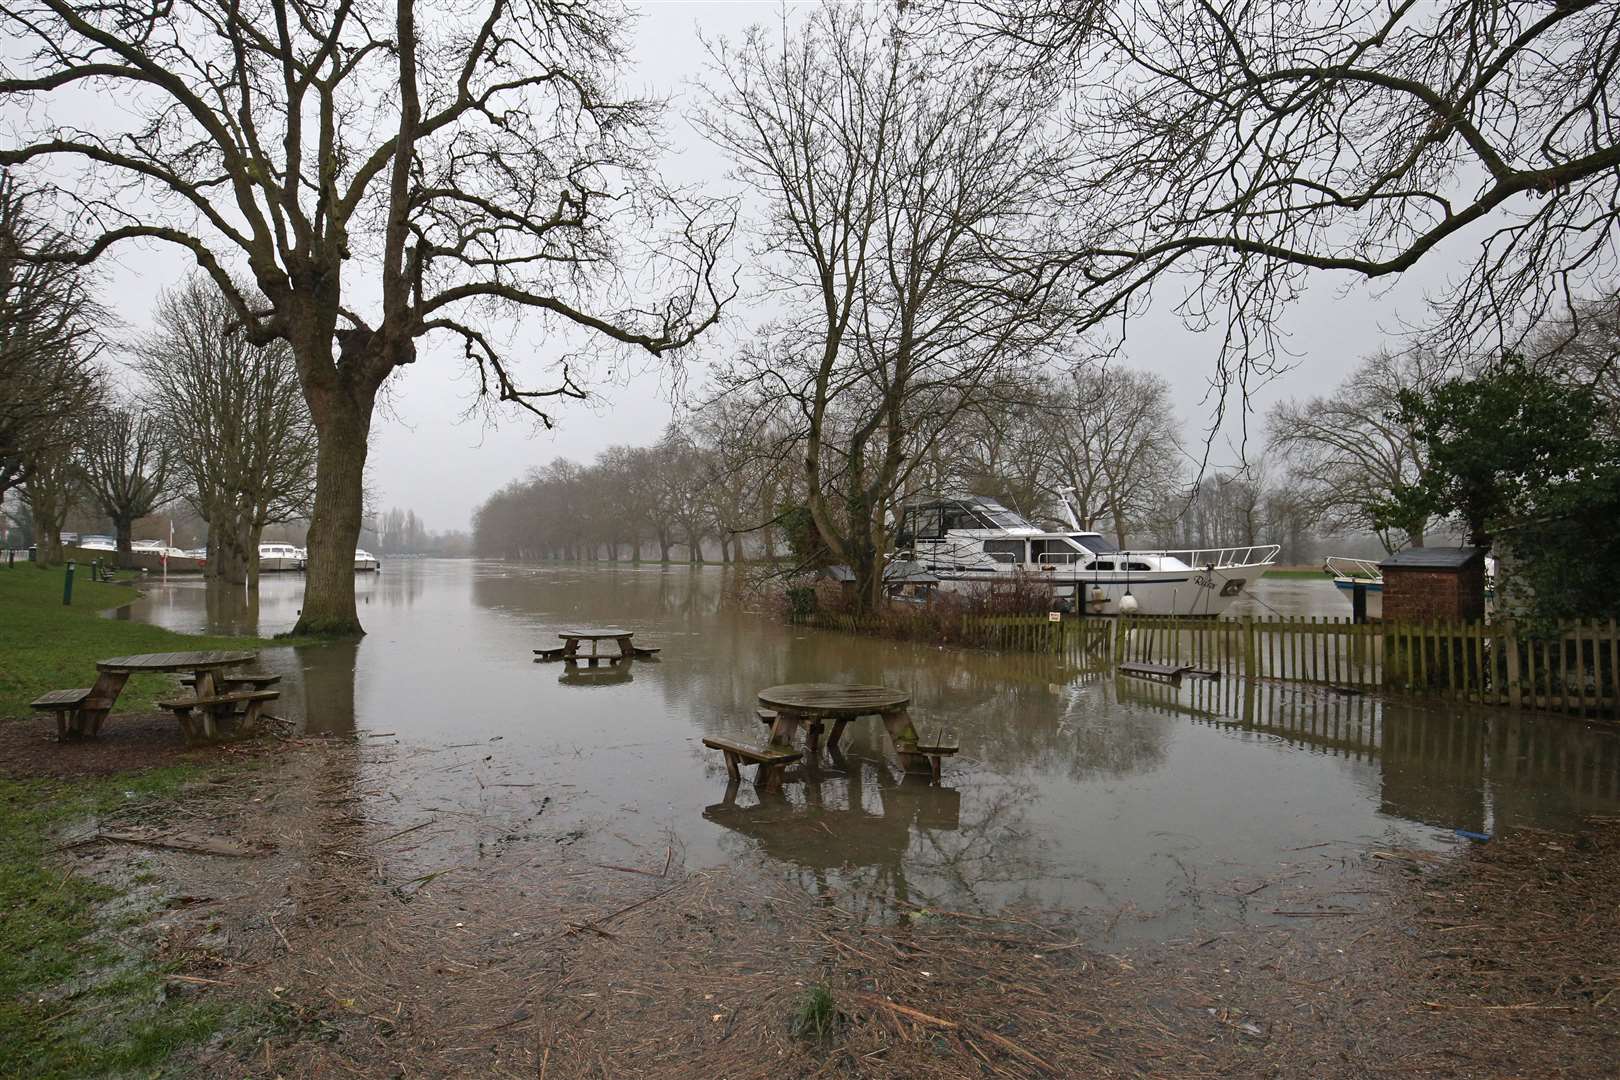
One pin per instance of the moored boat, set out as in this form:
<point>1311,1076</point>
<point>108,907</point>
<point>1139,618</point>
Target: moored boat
<point>1348,574</point>
<point>278,558</point>
<point>365,561</point>
<point>974,541</point>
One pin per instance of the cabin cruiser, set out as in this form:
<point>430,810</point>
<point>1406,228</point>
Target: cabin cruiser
<point>275,558</point>
<point>971,541</point>
<point>365,561</point>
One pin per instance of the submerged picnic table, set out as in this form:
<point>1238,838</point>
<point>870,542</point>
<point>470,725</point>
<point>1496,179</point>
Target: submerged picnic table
<point>114,673</point>
<point>569,650</point>
<point>811,704</point>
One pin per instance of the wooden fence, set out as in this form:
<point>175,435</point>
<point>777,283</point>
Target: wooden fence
<point>1574,667</point>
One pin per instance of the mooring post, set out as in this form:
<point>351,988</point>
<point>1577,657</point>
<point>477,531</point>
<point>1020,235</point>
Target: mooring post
<point>1358,602</point>
<point>67,585</point>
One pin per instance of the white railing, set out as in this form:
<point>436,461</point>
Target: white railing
<point>1219,558</point>
<point>1344,566</point>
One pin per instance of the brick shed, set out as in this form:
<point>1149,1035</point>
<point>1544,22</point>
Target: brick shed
<point>1435,583</point>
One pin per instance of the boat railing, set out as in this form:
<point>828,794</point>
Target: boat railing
<point>1218,558</point>
<point>1346,567</point>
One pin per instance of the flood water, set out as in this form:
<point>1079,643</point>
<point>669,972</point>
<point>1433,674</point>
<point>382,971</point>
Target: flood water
<point>1073,789</point>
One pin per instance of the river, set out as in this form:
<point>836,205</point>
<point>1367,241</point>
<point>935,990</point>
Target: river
<point>1073,789</point>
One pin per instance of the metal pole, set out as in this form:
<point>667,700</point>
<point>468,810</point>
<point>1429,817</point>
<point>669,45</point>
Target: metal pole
<point>67,585</point>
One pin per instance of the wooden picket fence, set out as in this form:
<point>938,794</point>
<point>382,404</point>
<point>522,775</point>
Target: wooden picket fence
<point>1574,667</point>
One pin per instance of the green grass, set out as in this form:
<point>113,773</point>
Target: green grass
<point>1296,574</point>
<point>77,998</point>
<point>46,646</point>
<point>816,1016</point>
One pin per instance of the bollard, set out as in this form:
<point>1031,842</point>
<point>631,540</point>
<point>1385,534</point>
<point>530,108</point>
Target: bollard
<point>67,585</point>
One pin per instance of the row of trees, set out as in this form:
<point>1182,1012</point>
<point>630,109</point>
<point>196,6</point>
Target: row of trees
<point>1105,439</point>
<point>209,419</point>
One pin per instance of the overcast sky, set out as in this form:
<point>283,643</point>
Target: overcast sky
<point>428,456</point>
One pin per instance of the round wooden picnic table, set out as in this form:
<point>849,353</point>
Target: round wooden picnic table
<point>811,704</point>
<point>113,673</point>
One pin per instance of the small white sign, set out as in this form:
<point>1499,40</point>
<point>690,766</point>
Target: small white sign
<point>1054,616</point>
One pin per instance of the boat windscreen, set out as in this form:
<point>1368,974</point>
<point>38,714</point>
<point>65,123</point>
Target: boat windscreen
<point>1000,516</point>
<point>1097,545</point>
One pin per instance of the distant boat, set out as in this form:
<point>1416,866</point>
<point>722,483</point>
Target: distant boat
<point>365,561</point>
<point>97,543</point>
<point>277,558</point>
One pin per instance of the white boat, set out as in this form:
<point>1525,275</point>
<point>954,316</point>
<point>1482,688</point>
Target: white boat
<point>365,561</point>
<point>1347,573</point>
<point>972,541</point>
<point>97,543</point>
<point>277,558</point>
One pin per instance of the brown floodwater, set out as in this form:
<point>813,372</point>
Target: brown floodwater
<point>1160,807</point>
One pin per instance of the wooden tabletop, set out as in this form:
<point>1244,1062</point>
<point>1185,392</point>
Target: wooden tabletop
<point>177,661</point>
<point>596,633</point>
<point>834,700</point>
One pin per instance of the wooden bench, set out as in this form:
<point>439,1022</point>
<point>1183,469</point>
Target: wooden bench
<point>942,744</point>
<point>766,716</point>
<point>771,761</point>
<point>542,655</point>
<point>645,654</point>
<point>257,680</point>
<point>66,705</point>
<point>211,706</point>
<point>590,660</point>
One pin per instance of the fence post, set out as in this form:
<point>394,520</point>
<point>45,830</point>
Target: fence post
<point>1510,631</point>
<point>1248,647</point>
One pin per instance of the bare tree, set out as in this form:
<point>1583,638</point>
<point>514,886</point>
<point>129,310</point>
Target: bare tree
<point>128,468</point>
<point>1114,440</point>
<point>906,215</point>
<point>1348,450</point>
<point>244,445</point>
<point>54,485</point>
<point>1242,146</point>
<point>48,343</point>
<point>477,164</point>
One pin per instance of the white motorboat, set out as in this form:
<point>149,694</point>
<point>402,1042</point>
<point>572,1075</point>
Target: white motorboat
<point>971,541</point>
<point>97,543</point>
<point>1348,573</point>
<point>365,561</point>
<point>278,558</point>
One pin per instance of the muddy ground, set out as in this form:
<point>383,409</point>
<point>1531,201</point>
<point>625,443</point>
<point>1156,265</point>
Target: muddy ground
<point>354,957</point>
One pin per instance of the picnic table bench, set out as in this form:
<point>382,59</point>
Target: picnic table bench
<point>217,709</point>
<point>772,761</point>
<point>81,712</point>
<point>1166,672</point>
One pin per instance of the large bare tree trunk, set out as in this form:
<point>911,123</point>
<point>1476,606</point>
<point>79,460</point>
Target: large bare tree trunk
<point>124,528</point>
<point>343,426</point>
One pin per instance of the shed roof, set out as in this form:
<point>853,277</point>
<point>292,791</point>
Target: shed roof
<point>1433,558</point>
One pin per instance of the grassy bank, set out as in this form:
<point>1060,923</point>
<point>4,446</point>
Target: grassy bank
<point>80,995</point>
<point>1301,573</point>
<point>47,646</point>
<point>81,992</point>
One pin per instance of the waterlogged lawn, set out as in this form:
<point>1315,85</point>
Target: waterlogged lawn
<point>77,998</point>
<point>45,645</point>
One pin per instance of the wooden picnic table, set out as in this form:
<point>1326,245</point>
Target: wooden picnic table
<point>812,704</point>
<point>569,650</point>
<point>115,672</point>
